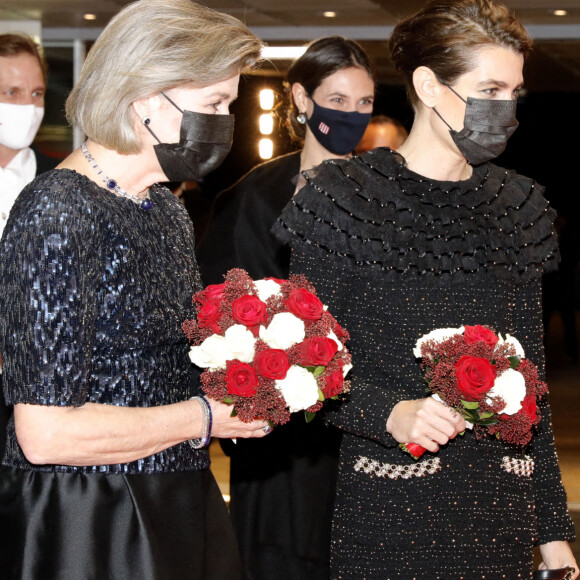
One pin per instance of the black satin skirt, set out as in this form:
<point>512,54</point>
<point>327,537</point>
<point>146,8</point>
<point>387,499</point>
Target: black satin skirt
<point>164,526</point>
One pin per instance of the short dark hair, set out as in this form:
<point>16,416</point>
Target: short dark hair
<point>13,44</point>
<point>322,58</point>
<point>446,34</point>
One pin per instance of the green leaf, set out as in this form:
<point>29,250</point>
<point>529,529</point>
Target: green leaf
<point>470,404</point>
<point>316,371</point>
<point>309,416</point>
<point>514,361</point>
<point>320,395</point>
<point>234,413</point>
<point>228,401</point>
<point>486,415</point>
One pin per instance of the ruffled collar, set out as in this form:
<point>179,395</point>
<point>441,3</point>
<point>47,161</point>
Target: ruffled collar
<point>374,211</point>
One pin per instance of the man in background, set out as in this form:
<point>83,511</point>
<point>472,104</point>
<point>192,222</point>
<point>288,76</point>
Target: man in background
<point>22,88</point>
<point>382,131</point>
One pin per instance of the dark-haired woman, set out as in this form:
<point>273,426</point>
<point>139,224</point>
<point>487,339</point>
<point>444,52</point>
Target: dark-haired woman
<point>435,236</point>
<point>282,492</point>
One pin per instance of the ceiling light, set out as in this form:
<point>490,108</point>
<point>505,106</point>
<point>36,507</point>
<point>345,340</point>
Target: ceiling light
<point>90,16</point>
<point>288,52</point>
<point>329,14</point>
<point>560,12</point>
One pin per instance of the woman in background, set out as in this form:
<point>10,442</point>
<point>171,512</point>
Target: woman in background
<point>106,471</point>
<point>282,489</point>
<point>399,244</point>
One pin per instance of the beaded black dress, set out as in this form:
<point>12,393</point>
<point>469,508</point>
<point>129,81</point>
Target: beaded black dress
<point>394,256</point>
<point>93,292</point>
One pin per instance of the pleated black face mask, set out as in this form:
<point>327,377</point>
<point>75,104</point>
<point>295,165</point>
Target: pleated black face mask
<point>204,142</point>
<point>487,126</point>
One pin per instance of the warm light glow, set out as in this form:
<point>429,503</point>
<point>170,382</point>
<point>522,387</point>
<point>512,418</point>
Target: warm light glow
<point>560,12</point>
<point>266,99</point>
<point>282,52</point>
<point>329,14</point>
<point>266,124</point>
<point>90,16</point>
<point>266,148</point>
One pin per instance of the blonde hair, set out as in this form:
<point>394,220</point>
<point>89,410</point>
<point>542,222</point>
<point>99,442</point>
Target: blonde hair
<point>148,47</point>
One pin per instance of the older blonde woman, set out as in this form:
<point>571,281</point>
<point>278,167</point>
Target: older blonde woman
<point>106,472</point>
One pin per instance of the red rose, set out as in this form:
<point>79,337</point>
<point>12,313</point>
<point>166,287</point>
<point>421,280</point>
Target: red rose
<point>214,291</point>
<point>333,386</point>
<point>249,310</point>
<point>272,363</point>
<point>414,449</point>
<point>304,304</point>
<point>529,407</point>
<point>241,380</point>
<point>480,334</point>
<point>317,351</point>
<point>209,313</point>
<point>475,376</point>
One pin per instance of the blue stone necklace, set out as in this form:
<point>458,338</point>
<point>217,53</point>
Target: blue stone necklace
<point>144,203</point>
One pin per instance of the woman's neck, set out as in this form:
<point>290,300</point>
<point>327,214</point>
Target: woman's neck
<point>427,154</point>
<point>313,153</point>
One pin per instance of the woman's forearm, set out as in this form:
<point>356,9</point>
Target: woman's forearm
<point>96,434</point>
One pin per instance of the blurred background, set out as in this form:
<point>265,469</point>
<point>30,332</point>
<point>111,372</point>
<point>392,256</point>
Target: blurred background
<point>544,147</point>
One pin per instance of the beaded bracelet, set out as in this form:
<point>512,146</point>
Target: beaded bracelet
<point>207,424</point>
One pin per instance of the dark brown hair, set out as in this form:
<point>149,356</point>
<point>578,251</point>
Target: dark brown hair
<point>446,35</point>
<point>15,44</point>
<point>322,58</point>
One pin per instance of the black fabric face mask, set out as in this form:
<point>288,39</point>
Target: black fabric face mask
<point>204,142</point>
<point>487,126</point>
<point>338,131</point>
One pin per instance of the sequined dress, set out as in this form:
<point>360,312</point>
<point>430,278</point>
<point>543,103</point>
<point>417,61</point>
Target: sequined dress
<point>93,292</point>
<point>394,256</point>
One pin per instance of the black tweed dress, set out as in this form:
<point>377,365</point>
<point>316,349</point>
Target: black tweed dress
<point>395,255</point>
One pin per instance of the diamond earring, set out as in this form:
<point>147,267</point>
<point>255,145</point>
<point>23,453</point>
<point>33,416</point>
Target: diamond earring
<point>301,118</point>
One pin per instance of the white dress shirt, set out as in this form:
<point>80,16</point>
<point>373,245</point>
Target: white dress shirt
<point>20,171</point>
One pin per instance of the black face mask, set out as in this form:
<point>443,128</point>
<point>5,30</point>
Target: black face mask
<point>204,142</point>
<point>338,131</point>
<point>487,126</point>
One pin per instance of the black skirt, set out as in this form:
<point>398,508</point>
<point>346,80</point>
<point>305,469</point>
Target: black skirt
<point>163,526</point>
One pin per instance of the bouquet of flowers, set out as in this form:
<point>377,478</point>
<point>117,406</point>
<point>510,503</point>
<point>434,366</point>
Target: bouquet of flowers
<point>269,347</point>
<point>485,378</point>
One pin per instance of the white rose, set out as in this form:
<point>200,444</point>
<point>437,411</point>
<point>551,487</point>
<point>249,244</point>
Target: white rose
<point>333,336</point>
<point>285,330</point>
<point>346,369</point>
<point>438,335</point>
<point>267,288</point>
<point>513,342</point>
<point>212,353</point>
<point>240,342</point>
<point>299,388</point>
<point>511,387</point>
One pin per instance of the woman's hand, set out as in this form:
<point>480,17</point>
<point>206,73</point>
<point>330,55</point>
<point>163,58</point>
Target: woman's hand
<point>426,422</point>
<point>556,555</point>
<point>224,425</point>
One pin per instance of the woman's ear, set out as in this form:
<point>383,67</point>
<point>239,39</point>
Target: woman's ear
<point>300,97</point>
<point>145,107</point>
<point>427,86</point>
